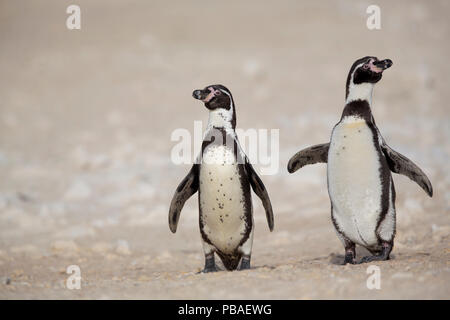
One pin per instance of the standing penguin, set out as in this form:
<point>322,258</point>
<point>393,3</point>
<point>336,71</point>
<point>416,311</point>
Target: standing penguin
<point>359,168</point>
<point>223,175</point>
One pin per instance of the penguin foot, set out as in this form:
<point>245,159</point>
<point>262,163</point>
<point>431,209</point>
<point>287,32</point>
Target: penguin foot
<point>245,263</point>
<point>210,264</point>
<point>209,269</point>
<point>384,255</point>
<point>349,258</point>
<point>350,253</point>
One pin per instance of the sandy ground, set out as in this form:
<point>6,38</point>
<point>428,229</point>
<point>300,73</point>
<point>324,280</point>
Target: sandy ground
<point>86,118</point>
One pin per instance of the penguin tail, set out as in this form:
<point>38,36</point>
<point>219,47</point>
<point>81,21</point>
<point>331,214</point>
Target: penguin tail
<point>230,262</point>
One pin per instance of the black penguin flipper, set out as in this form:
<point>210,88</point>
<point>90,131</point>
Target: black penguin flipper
<point>311,155</point>
<point>400,164</point>
<point>185,190</point>
<point>260,190</point>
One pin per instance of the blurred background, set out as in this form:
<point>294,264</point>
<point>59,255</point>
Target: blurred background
<point>85,123</point>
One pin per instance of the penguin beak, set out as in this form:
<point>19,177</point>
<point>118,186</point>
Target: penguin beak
<point>383,64</point>
<point>205,95</point>
<point>200,94</point>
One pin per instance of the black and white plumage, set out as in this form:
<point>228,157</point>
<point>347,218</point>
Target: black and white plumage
<point>359,165</point>
<point>223,177</point>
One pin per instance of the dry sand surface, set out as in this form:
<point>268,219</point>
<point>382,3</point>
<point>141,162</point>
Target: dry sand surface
<point>85,124</point>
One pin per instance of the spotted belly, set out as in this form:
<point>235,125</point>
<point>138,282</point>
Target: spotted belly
<point>222,201</point>
<point>354,183</point>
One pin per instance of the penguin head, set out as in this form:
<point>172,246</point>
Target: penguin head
<point>219,101</point>
<point>367,70</point>
<point>215,96</point>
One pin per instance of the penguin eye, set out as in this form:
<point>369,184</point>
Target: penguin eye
<point>366,66</point>
<point>218,93</point>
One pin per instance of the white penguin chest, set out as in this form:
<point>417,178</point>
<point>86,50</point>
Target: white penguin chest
<point>222,198</point>
<point>354,182</point>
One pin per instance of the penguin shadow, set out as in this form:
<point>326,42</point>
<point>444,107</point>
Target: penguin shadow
<point>338,259</point>
<point>221,268</point>
<point>265,266</point>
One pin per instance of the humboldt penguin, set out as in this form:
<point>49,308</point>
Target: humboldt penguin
<point>223,176</point>
<point>359,165</point>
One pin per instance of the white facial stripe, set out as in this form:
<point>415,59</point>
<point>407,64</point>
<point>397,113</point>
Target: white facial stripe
<point>229,96</point>
<point>354,70</point>
<point>221,117</point>
<point>362,91</point>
